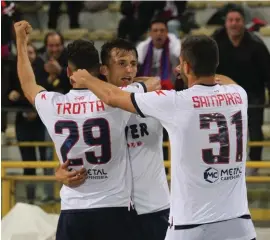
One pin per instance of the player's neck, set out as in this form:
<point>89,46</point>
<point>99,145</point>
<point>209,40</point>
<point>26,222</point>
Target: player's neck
<point>204,81</point>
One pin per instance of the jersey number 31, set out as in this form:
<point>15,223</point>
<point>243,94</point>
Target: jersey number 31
<point>222,137</point>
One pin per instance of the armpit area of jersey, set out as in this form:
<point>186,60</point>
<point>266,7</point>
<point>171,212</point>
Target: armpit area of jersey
<point>143,85</point>
<point>132,96</point>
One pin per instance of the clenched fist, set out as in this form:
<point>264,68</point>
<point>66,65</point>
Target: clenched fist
<point>80,76</point>
<point>23,30</point>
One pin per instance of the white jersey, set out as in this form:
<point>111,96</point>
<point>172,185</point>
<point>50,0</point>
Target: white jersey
<point>91,134</point>
<point>150,192</point>
<point>207,127</point>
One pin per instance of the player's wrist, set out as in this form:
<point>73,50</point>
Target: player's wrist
<point>21,42</point>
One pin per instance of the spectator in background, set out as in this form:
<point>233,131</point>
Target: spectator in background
<point>159,53</point>
<point>28,125</point>
<point>7,60</point>
<point>137,16</point>
<point>73,8</point>
<point>7,12</point>
<point>8,78</point>
<point>245,58</point>
<point>51,64</point>
<point>172,13</point>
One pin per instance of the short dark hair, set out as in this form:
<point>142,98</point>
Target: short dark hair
<point>201,52</point>
<point>83,55</point>
<point>158,20</point>
<point>118,43</point>
<point>236,8</point>
<point>52,33</point>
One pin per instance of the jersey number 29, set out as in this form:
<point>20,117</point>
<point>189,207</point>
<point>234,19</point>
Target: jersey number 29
<point>103,140</point>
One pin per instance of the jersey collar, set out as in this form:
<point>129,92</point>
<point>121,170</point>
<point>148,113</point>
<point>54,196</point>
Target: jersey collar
<point>207,85</point>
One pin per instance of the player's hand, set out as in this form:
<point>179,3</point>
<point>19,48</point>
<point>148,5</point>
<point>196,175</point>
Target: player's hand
<point>51,78</point>
<point>141,79</point>
<point>152,84</point>
<point>22,30</point>
<point>80,76</point>
<point>72,178</point>
<point>31,116</point>
<point>14,96</point>
<point>223,80</point>
<point>53,67</point>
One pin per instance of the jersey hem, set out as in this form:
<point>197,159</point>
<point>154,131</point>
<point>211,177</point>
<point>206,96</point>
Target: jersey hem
<point>92,209</point>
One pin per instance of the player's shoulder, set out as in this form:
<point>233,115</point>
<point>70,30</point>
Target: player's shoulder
<point>136,87</point>
<point>46,97</point>
<point>235,88</point>
<point>178,99</point>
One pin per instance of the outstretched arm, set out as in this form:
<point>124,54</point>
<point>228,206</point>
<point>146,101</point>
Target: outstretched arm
<point>224,80</point>
<point>110,94</point>
<point>25,71</point>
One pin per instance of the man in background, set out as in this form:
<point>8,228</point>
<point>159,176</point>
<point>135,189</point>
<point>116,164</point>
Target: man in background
<point>244,57</point>
<point>158,54</point>
<point>51,64</point>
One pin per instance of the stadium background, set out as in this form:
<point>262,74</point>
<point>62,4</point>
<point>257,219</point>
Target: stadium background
<point>99,23</point>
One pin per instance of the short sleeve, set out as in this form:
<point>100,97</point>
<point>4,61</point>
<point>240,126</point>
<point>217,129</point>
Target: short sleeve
<point>159,104</point>
<point>44,103</point>
<point>138,87</point>
<point>242,92</point>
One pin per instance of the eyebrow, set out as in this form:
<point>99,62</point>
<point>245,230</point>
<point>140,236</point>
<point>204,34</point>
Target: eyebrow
<point>124,60</point>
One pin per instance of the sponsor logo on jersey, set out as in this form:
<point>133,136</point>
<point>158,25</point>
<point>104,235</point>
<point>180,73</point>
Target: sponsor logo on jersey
<point>160,92</point>
<point>97,174</point>
<point>213,175</point>
<point>43,96</point>
<point>136,131</point>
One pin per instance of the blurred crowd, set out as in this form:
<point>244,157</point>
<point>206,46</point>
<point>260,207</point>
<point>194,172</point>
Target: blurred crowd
<point>243,57</point>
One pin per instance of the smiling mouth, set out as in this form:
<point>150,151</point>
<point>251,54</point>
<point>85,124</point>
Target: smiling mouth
<point>126,79</point>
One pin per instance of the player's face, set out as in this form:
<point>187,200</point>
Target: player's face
<point>54,46</point>
<point>31,53</point>
<point>122,68</point>
<point>159,34</point>
<point>234,24</point>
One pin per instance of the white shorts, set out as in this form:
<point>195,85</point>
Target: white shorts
<point>234,229</point>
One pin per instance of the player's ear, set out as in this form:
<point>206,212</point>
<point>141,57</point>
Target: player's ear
<point>104,70</point>
<point>69,72</point>
<point>186,68</point>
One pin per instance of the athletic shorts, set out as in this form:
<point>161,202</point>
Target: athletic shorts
<point>234,229</point>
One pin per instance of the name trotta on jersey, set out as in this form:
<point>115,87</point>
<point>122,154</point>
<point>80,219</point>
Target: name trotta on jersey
<point>71,108</point>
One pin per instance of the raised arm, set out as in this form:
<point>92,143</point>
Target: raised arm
<point>110,94</point>
<point>25,71</point>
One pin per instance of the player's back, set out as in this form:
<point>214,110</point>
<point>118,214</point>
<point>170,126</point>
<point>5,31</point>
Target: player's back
<point>208,136</point>
<point>91,134</point>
